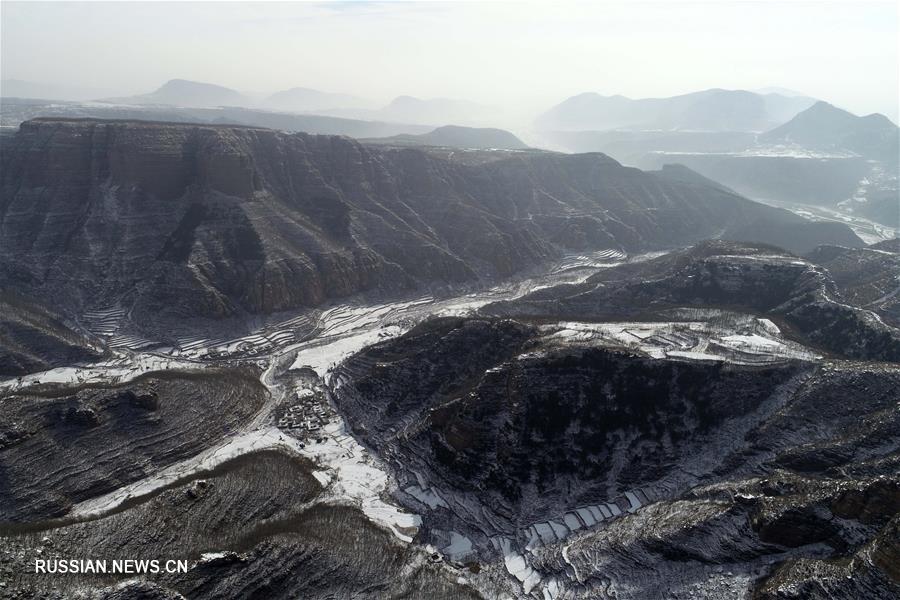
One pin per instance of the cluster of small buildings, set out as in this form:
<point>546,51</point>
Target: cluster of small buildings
<point>309,414</point>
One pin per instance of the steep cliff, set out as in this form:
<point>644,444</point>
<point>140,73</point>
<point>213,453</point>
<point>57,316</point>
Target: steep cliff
<point>176,220</point>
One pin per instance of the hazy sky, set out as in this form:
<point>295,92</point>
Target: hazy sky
<point>511,53</point>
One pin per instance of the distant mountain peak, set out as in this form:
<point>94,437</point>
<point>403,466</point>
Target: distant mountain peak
<point>879,119</point>
<point>187,84</point>
<point>825,126</point>
<point>712,109</point>
<point>825,107</point>
<point>184,92</point>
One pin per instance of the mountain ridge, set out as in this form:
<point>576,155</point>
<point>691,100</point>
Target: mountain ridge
<point>706,110</point>
<point>211,221</point>
<point>827,127</point>
<point>184,92</point>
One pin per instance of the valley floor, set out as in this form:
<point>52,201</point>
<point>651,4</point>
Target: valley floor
<point>301,368</point>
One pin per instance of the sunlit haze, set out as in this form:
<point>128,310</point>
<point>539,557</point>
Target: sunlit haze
<point>522,57</point>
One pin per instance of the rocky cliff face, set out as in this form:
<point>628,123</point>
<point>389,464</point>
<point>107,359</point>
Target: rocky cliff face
<point>177,221</point>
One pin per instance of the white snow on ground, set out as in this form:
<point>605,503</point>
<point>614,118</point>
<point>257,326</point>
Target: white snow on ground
<point>345,469</point>
<point>773,151</point>
<point>770,327</point>
<point>751,341</point>
<point>552,589</point>
<point>354,476</point>
<point>209,556</point>
<point>560,530</point>
<point>587,516</point>
<point>426,496</point>
<point>545,533</point>
<point>322,358</point>
<point>517,556</point>
<point>572,521</point>
<point>692,355</point>
<point>633,500</point>
<point>118,370</point>
<point>350,474</point>
<point>738,338</point>
<point>269,437</point>
<point>345,330</point>
<point>459,548</point>
<point>518,567</point>
<point>323,477</point>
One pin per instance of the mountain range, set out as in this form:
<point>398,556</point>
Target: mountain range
<point>708,110</point>
<point>823,156</point>
<point>403,109</point>
<point>310,366</point>
<point>180,221</point>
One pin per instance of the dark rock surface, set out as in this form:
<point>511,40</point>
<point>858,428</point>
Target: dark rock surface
<point>478,402</point>
<point>32,338</point>
<point>767,480</point>
<point>267,534</point>
<point>73,443</point>
<point>177,221</point>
